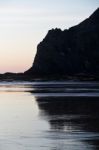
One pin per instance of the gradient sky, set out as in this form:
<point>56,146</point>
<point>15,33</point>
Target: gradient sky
<point>24,23</point>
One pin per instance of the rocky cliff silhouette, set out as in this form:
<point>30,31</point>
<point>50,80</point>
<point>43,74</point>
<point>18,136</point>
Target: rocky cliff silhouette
<point>69,52</point>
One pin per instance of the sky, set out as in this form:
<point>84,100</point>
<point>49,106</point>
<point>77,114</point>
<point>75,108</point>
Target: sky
<point>24,23</point>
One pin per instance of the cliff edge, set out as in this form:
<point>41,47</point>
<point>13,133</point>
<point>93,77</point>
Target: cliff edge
<point>69,52</point>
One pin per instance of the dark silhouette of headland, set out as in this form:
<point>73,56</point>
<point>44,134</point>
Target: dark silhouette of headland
<point>72,53</point>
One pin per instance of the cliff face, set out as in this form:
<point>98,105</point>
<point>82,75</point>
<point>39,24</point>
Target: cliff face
<point>71,51</point>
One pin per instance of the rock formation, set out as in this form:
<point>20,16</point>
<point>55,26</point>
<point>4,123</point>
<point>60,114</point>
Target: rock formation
<point>69,52</point>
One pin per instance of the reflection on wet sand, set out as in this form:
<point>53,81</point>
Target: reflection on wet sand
<point>77,118</point>
<point>49,116</point>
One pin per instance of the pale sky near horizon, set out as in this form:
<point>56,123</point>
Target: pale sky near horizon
<point>24,23</point>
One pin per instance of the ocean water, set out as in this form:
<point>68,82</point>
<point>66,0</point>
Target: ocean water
<point>49,115</point>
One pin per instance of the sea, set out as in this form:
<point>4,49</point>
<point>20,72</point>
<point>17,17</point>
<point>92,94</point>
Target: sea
<point>49,115</point>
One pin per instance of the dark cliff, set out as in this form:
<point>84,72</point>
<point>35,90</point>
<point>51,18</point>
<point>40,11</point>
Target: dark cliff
<point>69,52</point>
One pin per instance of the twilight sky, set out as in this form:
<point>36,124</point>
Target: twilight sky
<point>24,23</point>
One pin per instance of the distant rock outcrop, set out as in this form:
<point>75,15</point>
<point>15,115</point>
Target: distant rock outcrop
<point>71,51</point>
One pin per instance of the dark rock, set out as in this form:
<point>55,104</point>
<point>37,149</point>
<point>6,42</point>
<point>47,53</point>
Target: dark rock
<point>69,52</point>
